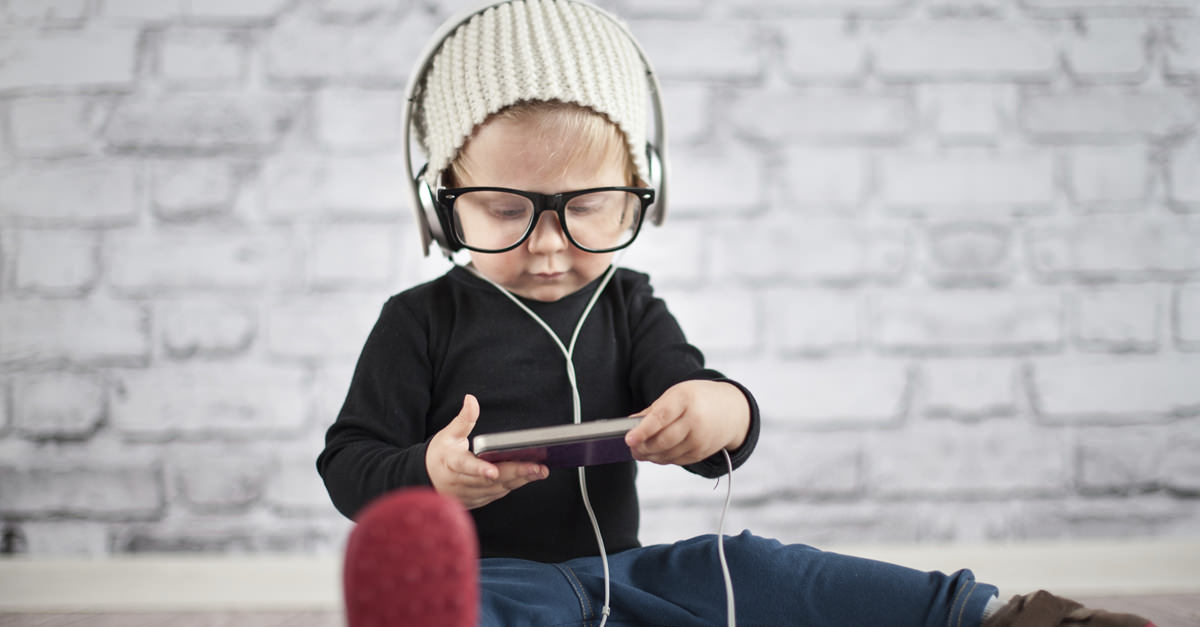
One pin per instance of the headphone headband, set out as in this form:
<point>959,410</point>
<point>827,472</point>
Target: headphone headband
<point>420,194</point>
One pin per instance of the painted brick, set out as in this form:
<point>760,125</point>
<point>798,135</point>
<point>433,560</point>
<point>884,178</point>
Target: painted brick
<point>821,250</point>
<point>232,535</point>
<point>816,524</point>
<point>60,405</point>
<point>82,487</point>
<point>1186,316</point>
<point>1179,469</point>
<point>1119,460</point>
<point>54,126</point>
<point>968,182</point>
<point>720,320</point>
<point>674,253</point>
<point>56,262</point>
<point>97,331</point>
<point>193,188</point>
<point>196,258</point>
<point>824,178</point>
<point>210,401</point>
<point>968,8</point>
<point>294,487</point>
<point>194,327</point>
<point>968,321</point>
<point>66,538</point>
<point>983,49</point>
<point>777,115</point>
<point>320,326</point>
<point>381,54</point>
<point>48,10</point>
<point>991,458</point>
<point>213,478</point>
<point>1117,247</point>
<point>1097,113</point>
<point>803,464</point>
<point>1117,319</point>
<point>970,389</point>
<point>1104,518</point>
<point>50,58</point>
<point>1183,186</point>
<point>967,111</point>
<point>348,117</point>
<point>1112,177</point>
<point>666,486</point>
<point>97,193</point>
<point>1104,6</point>
<point>813,322</point>
<point>820,7</point>
<point>148,10</point>
<point>1108,50</point>
<point>5,407</point>
<point>298,184</point>
<point>686,107</point>
<point>201,121</point>
<point>348,254</point>
<point>724,180</point>
<point>1126,388</point>
<point>822,50</point>
<point>821,393</point>
<point>362,8</point>
<point>191,55</point>
<point>1183,53</point>
<point>970,253</point>
<point>234,10</point>
<point>724,50</point>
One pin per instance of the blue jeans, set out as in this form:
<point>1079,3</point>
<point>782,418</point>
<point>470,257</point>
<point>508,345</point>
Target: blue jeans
<point>774,584</point>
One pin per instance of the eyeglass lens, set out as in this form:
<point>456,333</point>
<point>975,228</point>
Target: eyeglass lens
<point>495,220</point>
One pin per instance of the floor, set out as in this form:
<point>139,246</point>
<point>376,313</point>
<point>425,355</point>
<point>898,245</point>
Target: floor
<point>1173,610</point>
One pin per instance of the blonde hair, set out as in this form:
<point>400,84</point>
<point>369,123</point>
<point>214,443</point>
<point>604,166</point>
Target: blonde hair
<point>555,118</point>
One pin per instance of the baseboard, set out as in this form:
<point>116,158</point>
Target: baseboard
<point>266,582</point>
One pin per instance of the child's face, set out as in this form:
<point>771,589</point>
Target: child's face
<point>510,153</point>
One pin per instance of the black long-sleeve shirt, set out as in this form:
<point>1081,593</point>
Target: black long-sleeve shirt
<point>458,335</point>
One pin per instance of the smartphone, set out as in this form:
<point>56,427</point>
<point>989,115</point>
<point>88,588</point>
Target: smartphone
<point>560,446</point>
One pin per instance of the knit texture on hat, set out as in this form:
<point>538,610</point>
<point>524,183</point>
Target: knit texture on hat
<point>531,50</point>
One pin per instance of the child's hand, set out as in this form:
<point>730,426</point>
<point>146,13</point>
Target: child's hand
<point>456,471</point>
<point>691,421</point>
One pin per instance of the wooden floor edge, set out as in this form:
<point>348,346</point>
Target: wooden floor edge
<point>170,582</point>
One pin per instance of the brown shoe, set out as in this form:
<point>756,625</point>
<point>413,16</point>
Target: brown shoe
<point>1042,609</point>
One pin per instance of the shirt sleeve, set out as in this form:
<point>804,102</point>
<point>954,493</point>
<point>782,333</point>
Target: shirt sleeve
<point>378,441</point>
<point>661,357</point>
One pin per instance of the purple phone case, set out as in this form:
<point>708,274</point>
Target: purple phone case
<point>567,455</point>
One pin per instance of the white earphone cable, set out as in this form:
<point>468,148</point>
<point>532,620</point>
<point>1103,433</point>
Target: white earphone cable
<point>568,352</point>
<point>576,407</point>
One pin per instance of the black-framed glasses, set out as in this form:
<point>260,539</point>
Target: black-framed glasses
<point>496,219</point>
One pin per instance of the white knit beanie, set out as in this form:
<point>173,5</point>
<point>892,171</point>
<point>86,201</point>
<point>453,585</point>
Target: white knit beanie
<point>531,50</point>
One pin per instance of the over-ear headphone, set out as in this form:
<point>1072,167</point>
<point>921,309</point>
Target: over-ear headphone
<point>423,197</point>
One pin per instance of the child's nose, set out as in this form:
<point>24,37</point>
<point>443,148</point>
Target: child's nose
<point>547,236</point>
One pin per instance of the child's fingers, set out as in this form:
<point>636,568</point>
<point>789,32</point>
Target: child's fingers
<point>467,465</point>
<point>670,436</point>
<point>464,422</point>
<point>516,474</point>
<point>654,420</point>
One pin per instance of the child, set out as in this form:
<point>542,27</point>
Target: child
<point>532,113</point>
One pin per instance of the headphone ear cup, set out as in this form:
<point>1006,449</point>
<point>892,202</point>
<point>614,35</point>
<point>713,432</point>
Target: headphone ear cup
<point>430,217</point>
<point>654,166</point>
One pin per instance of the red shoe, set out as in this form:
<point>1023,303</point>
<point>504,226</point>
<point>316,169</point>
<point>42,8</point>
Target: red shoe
<point>1042,609</point>
<point>412,559</point>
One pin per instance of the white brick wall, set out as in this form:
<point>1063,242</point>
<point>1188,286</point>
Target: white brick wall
<point>952,245</point>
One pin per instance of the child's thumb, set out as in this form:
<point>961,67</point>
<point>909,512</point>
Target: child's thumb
<point>464,422</point>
